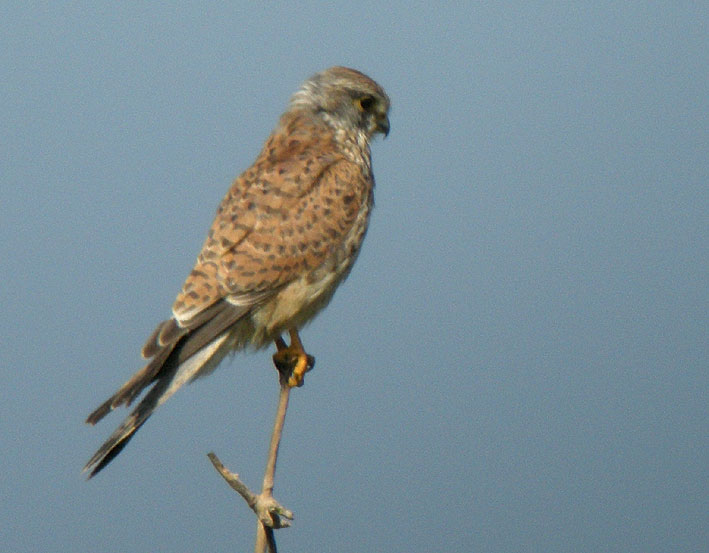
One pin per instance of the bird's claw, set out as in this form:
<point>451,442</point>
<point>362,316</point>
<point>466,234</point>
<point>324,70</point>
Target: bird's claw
<point>293,363</point>
<point>303,364</point>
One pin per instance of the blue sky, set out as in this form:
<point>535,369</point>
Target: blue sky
<point>518,361</point>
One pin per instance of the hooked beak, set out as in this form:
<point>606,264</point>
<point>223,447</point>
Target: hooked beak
<point>383,125</point>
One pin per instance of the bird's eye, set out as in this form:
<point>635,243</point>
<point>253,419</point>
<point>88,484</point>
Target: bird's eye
<point>364,103</point>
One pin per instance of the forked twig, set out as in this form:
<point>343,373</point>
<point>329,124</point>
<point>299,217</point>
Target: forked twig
<point>271,514</point>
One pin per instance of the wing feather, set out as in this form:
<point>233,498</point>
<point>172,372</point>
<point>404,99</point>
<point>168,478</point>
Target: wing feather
<point>283,217</point>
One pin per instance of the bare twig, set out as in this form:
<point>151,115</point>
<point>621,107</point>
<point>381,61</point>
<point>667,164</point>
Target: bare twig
<point>233,480</point>
<point>271,514</point>
<point>264,531</point>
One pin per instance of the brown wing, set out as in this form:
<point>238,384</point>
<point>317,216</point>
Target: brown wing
<point>168,347</point>
<point>282,217</point>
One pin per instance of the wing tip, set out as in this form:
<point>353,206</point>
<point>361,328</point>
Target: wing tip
<point>104,409</point>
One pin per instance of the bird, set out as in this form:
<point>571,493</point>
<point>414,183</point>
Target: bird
<point>285,235</point>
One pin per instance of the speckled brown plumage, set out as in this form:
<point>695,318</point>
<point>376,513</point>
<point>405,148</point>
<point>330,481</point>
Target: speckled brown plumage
<point>284,236</point>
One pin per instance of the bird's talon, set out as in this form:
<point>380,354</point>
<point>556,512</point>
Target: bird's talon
<point>304,364</point>
<point>293,363</point>
<point>297,377</point>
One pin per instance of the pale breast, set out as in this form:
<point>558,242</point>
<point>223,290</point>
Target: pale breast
<point>299,301</point>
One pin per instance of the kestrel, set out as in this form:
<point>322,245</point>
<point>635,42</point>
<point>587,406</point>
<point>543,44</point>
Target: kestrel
<point>284,237</point>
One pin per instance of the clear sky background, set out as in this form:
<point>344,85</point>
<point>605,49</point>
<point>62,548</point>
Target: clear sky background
<point>518,361</point>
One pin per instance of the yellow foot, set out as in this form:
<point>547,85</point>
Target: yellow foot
<point>292,361</point>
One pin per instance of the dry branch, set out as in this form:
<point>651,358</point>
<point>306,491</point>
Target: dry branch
<point>271,514</point>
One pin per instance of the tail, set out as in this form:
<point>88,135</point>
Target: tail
<point>181,354</point>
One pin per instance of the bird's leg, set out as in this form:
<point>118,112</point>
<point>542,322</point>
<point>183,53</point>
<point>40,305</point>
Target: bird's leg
<point>291,361</point>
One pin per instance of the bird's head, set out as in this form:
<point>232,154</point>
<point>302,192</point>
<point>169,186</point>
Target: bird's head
<point>346,99</point>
